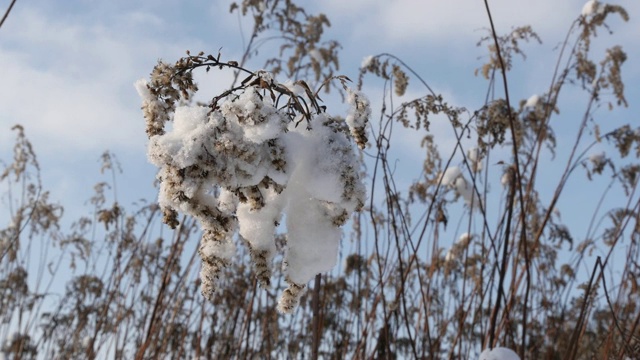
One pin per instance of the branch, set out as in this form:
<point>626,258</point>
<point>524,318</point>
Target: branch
<point>6,14</point>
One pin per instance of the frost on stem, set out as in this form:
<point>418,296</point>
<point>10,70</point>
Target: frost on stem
<point>290,297</point>
<point>159,97</point>
<point>358,116</point>
<point>239,163</point>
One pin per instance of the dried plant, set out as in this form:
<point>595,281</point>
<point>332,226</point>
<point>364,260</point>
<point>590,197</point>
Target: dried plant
<point>237,163</point>
<point>470,255</point>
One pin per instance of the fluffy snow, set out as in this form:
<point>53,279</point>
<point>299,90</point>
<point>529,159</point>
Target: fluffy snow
<point>589,8</point>
<point>450,256</point>
<point>245,164</point>
<point>315,195</point>
<point>315,55</point>
<point>453,178</point>
<point>465,190</point>
<point>187,119</point>
<point>141,87</point>
<point>359,113</point>
<point>505,179</point>
<point>475,159</point>
<point>499,353</point>
<point>473,155</point>
<point>296,89</point>
<point>464,239</point>
<point>262,6</point>
<point>86,341</point>
<point>312,239</point>
<point>597,159</point>
<point>224,250</point>
<point>187,123</point>
<point>457,248</point>
<point>450,175</point>
<point>366,61</point>
<point>258,226</point>
<point>532,102</point>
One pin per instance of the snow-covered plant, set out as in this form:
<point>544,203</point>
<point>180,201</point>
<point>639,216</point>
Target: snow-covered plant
<point>453,179</point>
<point>255,152</point>
<point>499,353</point>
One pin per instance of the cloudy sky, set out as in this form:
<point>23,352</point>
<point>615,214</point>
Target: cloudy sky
<point>68,67</point>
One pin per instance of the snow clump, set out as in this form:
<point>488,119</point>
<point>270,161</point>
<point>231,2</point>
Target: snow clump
<point>597,159</point>
<point>499,353</point>
<point>366,62</point>
<point>532,101</point>
<point>458,247</point>
<point>475,159</point>
<point>237,166</point>
<point>453,178</point>
<point>589,8</point>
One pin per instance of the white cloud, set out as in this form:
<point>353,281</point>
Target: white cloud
<point>70,84</point>
<point>69,81</point>
<point>432,21</point>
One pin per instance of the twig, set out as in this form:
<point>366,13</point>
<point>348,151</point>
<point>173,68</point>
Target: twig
<point>503,267</point>
<point>517,173</point>
<point>317,315</point>
<point>6,13</point>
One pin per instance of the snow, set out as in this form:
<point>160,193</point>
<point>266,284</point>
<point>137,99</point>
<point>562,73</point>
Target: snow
<point>223,250</point>
<point>13,337</point>
<point>589,8</point>
<point>475,159</point>
<point>532,101</point>
<point>312,239</point>
<point>296,89</point>
<point>86,341</point>
<point>597,159</point>
<point>456,250</point>
<point>316,196</point>
<point>266,77</point>
<point>473,154</point>
<point>450,256</point>
<point>258,226</point>
<point>464,239</point>
<point>315,55</point>
<point>450,175</point>
<point>453,178</point>
<point>505,180</point>
<point>242,166</point>
<point>143,91</point>
<point>499,353</point>
<point>187,119</point>
<point>358,117</point>
<point>465,190</point>
<point>366,61</point>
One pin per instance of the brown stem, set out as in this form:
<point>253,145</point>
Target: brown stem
<point>317,317</point>
<point>6,13</point>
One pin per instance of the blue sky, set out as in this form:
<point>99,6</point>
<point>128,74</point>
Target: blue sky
<point>68,69</point>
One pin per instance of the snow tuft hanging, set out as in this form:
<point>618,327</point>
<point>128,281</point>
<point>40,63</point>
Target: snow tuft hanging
<point>254,153</point>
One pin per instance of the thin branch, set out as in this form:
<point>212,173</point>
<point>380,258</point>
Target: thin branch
<point>517,173</point>
<point>6,13</point>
